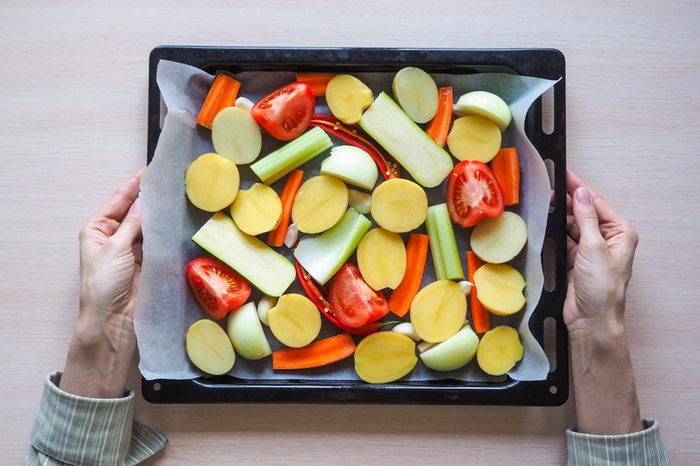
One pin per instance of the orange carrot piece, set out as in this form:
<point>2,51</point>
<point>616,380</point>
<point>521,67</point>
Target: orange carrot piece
<point>316,81</point>
<point>416,254</point>
<point>480,316</point>
<point>222,94</point>
<point>506,168</point>
<point>317,354</point>
<point>289,192</point>
<point>439,126</point>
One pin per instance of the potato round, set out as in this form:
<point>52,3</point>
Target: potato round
<point>499,350</point>
<point>209,348</point>
<point>211,182</point>
<point>474,138</point>
<point>499,287</point>
<point>256,210</point>
<point>485,104</point>
<point>438,311</point>
<point>384,357</point>
<point>236,135</point>
<point>320,202</point>
<point>347,97</point>
<point>500,239</point>
<point>399,205</point>
<point>417,93</point>
<point>381,258</point>
<point>295,320</point>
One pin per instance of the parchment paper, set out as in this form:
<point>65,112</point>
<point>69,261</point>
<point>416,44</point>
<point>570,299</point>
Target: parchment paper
<point>165,308</point>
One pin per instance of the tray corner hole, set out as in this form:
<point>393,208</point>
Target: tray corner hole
<point>548,111</point>
<point>549,165</point>
<point>553,389</point>
<point>550,344</point>
<point>157,387</point>
<point>549,266</point>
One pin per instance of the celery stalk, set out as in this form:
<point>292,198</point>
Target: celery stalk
<point>448,265</point>
<point>292,155</point>
<point>324,254</point>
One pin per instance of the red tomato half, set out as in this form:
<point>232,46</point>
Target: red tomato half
<point>285,113</point>
<point>473,193</point>
<point>216,287</point>
<point>352,300</point>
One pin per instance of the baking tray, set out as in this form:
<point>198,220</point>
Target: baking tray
<point>542,63</point>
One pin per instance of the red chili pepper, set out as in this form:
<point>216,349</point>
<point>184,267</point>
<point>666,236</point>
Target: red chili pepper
<point>352,134</point>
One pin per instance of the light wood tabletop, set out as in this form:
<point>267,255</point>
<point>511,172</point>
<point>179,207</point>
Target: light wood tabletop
<point>73,92</point>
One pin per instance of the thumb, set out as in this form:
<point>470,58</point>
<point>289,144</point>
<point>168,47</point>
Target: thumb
<point>130,228</point>
<point>586,216</point>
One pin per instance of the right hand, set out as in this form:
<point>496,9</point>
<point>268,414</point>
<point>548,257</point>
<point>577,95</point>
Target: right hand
<point>601,247</point>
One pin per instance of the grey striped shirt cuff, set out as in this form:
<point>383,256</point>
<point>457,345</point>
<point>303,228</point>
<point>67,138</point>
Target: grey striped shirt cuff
<point>72,429</point>
<point>639,448</point>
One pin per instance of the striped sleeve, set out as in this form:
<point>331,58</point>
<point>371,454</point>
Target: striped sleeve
<point>72,429</point>
<point>639,448</point>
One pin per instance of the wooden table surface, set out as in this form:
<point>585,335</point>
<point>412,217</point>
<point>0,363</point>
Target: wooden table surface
<point>73,89</point>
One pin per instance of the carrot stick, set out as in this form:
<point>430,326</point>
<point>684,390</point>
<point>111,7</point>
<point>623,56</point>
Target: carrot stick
<point>222,94</point>
<point>480,316</point>
<point>416,253</point>
<point>439,126</point>
<point>316,81</point>
<point>291,186</point>
<point>506,168</point>
<point>317,354</point>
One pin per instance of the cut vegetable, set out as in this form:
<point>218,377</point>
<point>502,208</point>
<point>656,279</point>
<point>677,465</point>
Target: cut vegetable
<point>474,138</point>
<point>347,97</point>
<point>500,288</point>
<point>316,81</point>
<point>323,255</point>
<point>443,244</point>
<point>293,154</point>
<point>359,201</point>
<point>416,255</point>
<point>244,104</point>
<point>285,113</point>
<point>417,93</point>
<point>381,257</point>
<point>484,104</point>
<point>498,240</point>
<point>236,136</point>
<point>294,321</point>
<point>222,94</point>
<point>289,192</point>
<point>352,165</point>
<point>267,270</point>
<point>209,348</point>
<point>399,205</point>
<point>406,328</point>
<point>473,193</point>
<point>353,302</point>
<point>481,318</point>
<point>506,168</point>
<point>264,305</point>
<point>257,209</point>
<point>211,182</point>
<point>426,161</point>
<point>438,311</point>
<point>384,357</point>
<point>499,350</point>
<point>453,353</point>
<point>246,333</point>
<point>292,236</point>
<point>317,354</point>
<point>216,287</point>
<point>439,126</point>
<point>320,202</point>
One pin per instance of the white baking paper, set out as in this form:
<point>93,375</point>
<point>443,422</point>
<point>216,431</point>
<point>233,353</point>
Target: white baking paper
<point>165,308</point>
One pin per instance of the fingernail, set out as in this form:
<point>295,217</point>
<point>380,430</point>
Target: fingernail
<point>583,196</point>
<point>136,206</point>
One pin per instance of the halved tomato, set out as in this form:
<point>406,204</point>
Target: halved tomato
<point>353,302</point>
<point>473,193</point>
<point>285,113</point>
<point>216,287</point>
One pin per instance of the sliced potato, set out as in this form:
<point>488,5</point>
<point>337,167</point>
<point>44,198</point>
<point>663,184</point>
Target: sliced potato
<point>347,97</point>
<point>320,202</point>
<point>500,239</point>
<point>474,138</point>
<point>438,311</point>
<point>485,104</point>
<point>453,353</point>
<point>381,257</point>
<point>295,320</point>
<point>246,333</point>
<point>399,205</point>
<point>209,348</point>
<point>384,357</point>
<point>417,93</point>
<point>236,135</point>
<point>499,350</point>
<point>211,182</point>
<point>257,210</point>
<point>499,287</point>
